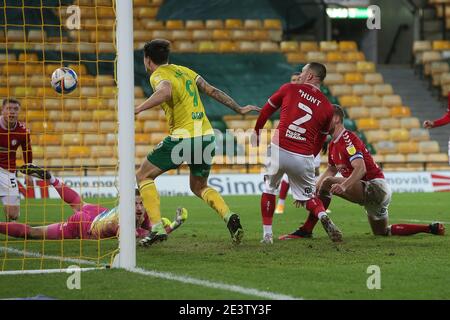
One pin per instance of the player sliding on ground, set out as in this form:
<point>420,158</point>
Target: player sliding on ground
<point>88,221</point>
<point>305,119</point>
<point>191,138</point>
<point>362,182</point>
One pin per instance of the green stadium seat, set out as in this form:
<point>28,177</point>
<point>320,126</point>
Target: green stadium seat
<point>350,124</point>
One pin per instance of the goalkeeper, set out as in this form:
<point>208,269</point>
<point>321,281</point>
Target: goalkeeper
<point>88,221</point>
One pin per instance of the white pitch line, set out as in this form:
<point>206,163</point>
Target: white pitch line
<point>214,285</point>
<point>47,271</point>
<point>151,273</point>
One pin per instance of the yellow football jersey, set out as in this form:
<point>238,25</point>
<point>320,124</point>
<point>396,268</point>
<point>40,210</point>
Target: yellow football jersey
<point>185,112</point>
<point>106,224</point>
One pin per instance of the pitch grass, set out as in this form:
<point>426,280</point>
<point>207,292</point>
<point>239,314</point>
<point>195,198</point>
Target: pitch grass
<point>413,267</point>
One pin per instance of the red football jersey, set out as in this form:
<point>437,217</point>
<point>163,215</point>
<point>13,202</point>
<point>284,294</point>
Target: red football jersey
<point>305,114</point>
<point>10,140</point>
<point>348,147</point>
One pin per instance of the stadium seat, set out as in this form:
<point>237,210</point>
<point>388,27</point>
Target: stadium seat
<point>419,46</point>
<point>111,139</point>
<point>146,13</point>
<point>153,126</point>
<point>373,78</point>
<point>348,46</point>
<point>428,147</point>
<point>367,124</point>
<point>296,57</point>
<point>365,67</point>
<point>151,24</point>
<point>307,46</point>
<point>362,89</point>
<point>142,138</point>
<point>391,100</point>
<point>174,24</point>
<point>440,45</point>
<point>207,46</point>
<point>353,56</point>
<point>417,160</point>
<point>269,46</point>
<point>194,24</point>
<point>214,24</point>
<point>409,123</point>
<point>400,112</point>
<point>16,35</point>
<point>220,34</point>
<point>386,147</point>
<point>28,57</point>
<point>350,101</point>
<point>142,151</point>
<point>353,78</point>
<point>371,101</point>
<point>335,56</point>
<point>251,46</point>
<point>345,67</point>
<point>89,126</point>
<point>70,139</point>
<point>374,136</point>
<point>380,112</point>
<point>408,147</point>
<point>389,123</point>
<point>419,134</point>
<point>252,24</point>
<point>383,89</point>
<point>272,24</point>
<point>289,46</point>
<point>242,35</point>
<point>227,46</point>
<point>399,134</point>
<point>316,56</point>
<point>49,139</point>
<point>79,152</point>
<point>359,112</point>
<point>37,127</point>
<point>328,46</point>
<point>430,56</point>
<point>64,126</point>
<point>334,78</point>
<point>202,34</point>
<point>341,89</point>
<point>233,24</point>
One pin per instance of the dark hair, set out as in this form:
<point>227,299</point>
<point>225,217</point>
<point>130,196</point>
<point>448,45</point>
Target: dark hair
<point>10,100</point>
<point>158,51</point>
<point>137,193</point>
<point>296,74</point>
<point>338,111</point>
<point>319,70</point>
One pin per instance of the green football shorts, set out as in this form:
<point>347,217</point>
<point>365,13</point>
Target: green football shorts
<point>197,152</point>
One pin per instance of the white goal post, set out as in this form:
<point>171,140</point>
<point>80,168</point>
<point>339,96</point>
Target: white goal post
<point>126,149</point>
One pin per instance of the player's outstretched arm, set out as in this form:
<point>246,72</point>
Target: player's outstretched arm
<point>163,93</point>
<point>330,172</point>
<point>223,98</point>
<point>359,171</point>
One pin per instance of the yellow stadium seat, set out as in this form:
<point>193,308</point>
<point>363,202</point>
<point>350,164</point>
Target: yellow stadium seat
<point>233,23</point>
<point>408,147</point>
<point>104,115</point>
<point>220,34</point>
<point>252,24</point>
<point>49,139</point>
<point>441,157</point>
<point>272,24</point>
<point>202,34</point>
<point>296,57</point>
<point>367,124</point>
<point>147,12</point>
<point>111,139</point>
<point>65,126</point>
<point>108,126</point>
<point>378,158</point>
<point>383,89</point>
<point>141,151</point>
<point>416,157</point>
<point>207,46</point>
<point>419,46</point>
<point>109,92</point>
<point>350,101</point>
<point>250,46</point>
<point>148,115</point>
<point>306,46</point>
<point>11,68</point>
<point>77,115</point>
<point>353,78</point>
<point>399,134</point>
<point>28,56</point>
<point>153,126</point>
<point>24,91</point>
<point>181,35</point>
<point>371,101</point>
<point>335,56</point>
<point>391,100</point>
<point>316,56</point>
<point>228,46</point>
<point>344,67</point>
<point>389,123</point>
<point>174,24</point>
<point>374,136</point>
<point>242,35</point>
<point>440,45</point>
<point>365,66</point>
<point>142,139</point>
<point>353,56</point>
<point>400,112</point>
<point>89,126</point>
<point>430,56</point>
<point>380,112</point>
<point>194,24</point>
<point>386,147</point>
<point>79,152</point>
<point>214,24</point>
<point>328,46</point>
<point>410,123</point>
<point>428,147</point>
<point>341,89</point>
<point>358,112</point>
<point>418,134</point>
<point>334,78</point>
<point>37,127</point>
<point>399,158</point>
<point>16,35</point>
<point>373,78</point>
<point>362,89</point>
<point>157,137</point>
<point>348,46</point>
<point>34,115</point>
<point>269,46</point>
<point>71,139</point>
<point>289,46</point>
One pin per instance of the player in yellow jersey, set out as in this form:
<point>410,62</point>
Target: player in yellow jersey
<point>88,221</point>
<point>191,138</point>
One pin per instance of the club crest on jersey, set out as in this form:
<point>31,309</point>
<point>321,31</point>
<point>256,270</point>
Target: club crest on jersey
<point>13,142</point>
<point>351,150</point>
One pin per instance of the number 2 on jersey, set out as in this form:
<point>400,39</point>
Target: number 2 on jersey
<point>295,126</point>
<point>192,93</point>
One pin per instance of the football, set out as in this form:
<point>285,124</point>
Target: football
<point>64,80</point>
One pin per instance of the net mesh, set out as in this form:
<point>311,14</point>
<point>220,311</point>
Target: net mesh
<point>72,135</point>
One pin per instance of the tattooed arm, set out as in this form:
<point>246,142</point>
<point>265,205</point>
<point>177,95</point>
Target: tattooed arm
<point>223,98</point>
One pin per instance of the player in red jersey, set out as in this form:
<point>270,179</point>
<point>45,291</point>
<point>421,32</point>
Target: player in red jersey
<point>362,182</point>
<point>305,117</point>
<point>88,221</point>
<point>12,135</point>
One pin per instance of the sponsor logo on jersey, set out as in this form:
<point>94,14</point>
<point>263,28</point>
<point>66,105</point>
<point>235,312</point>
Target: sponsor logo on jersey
<point>14,142</point>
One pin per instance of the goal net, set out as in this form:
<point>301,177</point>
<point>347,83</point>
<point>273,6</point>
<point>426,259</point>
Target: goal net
<point>74,136</point>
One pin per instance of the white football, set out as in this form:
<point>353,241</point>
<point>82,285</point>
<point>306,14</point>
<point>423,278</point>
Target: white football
<point>64,80</point>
